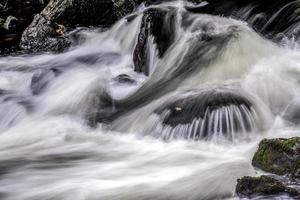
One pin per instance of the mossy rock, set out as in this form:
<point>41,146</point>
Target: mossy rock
<point>279,156</point>
<point>263,186</point>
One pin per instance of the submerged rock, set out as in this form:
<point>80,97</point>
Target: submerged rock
<point>42,34</point>
<point>185,110</point>
<point>208,114</point>
<point>41,78</point>
<point>279,156</point>
<point>261,186</point>
<point>124,78</point>
<point>292,112</point>
<point>101,109</point>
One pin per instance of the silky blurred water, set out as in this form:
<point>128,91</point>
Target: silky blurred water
<point>48,150</point>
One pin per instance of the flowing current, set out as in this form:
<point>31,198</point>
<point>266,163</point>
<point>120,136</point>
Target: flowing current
<point>84,125</point>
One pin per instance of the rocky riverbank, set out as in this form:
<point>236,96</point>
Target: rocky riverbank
<point>281,158</point>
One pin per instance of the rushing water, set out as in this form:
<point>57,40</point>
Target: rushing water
<point>188,131</point>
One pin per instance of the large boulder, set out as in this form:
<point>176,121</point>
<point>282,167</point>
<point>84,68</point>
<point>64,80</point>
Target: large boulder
<point>47,31</point>
<point>203,115</point>
<point>263,186</point>
<point>279,156</point>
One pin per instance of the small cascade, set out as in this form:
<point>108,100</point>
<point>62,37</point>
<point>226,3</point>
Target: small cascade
<point>209,114</point>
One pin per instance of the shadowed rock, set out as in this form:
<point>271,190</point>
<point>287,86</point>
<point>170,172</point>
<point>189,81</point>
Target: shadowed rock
<point>206,114</point>
<point>184,110</point>
<point>267,17</point>
<point>42,33</point>
<point>124,78</point>
<point>263,186</point>
<point>160,24</point>
<point>15,16</point>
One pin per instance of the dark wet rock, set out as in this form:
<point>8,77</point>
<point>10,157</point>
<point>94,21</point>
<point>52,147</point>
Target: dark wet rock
<point>185,110</point>
<point>263,186</point>
<point>10,40</point>
<point>42,33</point>
<point>200,115</point>
<point>199,55</point>
<point>41,78</point>
<point>124,78</point>
<point>160,24</point>
<point>15,16</point>
<point>279,156</point>
<point>267,17</point>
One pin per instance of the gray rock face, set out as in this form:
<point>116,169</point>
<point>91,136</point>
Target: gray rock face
<point>39,34</point>
<point>43,33</point>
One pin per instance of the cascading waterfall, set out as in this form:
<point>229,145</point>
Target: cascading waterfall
<point>86,124</point>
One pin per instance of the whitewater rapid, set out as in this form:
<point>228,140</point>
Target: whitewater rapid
<point>48,150</point>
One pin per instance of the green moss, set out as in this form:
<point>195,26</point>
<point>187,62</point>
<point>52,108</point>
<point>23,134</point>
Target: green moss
<point>260,157</point>
<point>276,155</point>
<point>297,164</point>
<point>296,168</point>
<point>262,178</point>
<point>291,142</point>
